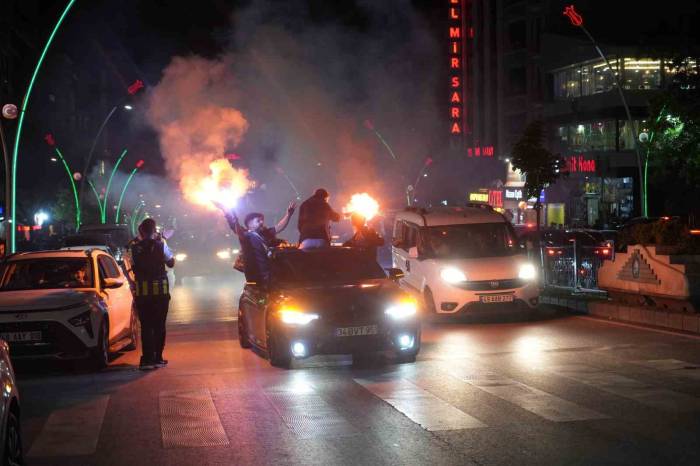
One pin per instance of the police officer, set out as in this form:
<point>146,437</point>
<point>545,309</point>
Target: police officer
<point>150,255</point>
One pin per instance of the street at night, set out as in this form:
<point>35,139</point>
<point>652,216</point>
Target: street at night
<point>560,390</point>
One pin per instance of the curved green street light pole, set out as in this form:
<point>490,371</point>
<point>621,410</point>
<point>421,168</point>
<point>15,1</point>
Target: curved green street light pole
<point>72,185</point>
<point>132,220</point>
<point>97,196</point>
<point>126,185</point>
<point>13,201</point>
<point>577,21</point>
<point>109,184</point>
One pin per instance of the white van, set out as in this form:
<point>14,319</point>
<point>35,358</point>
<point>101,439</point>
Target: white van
<point>463,260</point>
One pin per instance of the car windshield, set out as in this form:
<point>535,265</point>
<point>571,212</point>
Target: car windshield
<point>36,274</point>
<point>468,241</point>
<point>324,267</point>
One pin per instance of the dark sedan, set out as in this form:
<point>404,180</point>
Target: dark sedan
<point>328,301</point>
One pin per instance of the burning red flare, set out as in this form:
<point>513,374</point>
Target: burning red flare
<point>224,184</point>
<point>363,204</point>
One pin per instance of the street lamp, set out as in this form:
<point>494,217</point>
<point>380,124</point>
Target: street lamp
<point>40,218</point>
<point>577,20</point>
<point>12,201</point>
<point>139,164</point>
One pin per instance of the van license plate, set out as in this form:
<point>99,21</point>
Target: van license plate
<point>356,331</point>
<point>21,336</point>
<point>497,298</point>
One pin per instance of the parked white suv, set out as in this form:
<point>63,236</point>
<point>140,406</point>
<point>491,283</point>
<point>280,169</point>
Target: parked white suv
<point>66,304</point>
<point>463,260</point>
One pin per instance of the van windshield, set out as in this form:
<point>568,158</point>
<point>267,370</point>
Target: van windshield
<point>469,241</point>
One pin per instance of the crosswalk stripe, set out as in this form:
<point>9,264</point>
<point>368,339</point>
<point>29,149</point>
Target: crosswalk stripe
<point>625,387</point>
<point>72,431</point>
<point>188,418</point>
<point>307,414</point>
<point>530,399</point>
<point>419,405</point>
<point>673,367</point>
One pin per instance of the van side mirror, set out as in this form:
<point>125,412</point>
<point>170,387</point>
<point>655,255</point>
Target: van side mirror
<point>397,243</point>
<point>110,283</point>
<point>395,274</point>
<point>413,253</point>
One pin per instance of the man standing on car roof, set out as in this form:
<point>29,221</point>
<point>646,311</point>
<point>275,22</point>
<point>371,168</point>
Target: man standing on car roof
<point>315,215</point>
<point>150,255</point>
<point>269,234</point>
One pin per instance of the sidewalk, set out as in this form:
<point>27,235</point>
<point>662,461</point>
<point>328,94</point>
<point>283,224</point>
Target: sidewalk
<point>598,305</point>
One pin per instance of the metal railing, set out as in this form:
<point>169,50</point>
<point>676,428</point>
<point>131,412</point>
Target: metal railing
<point>573,267</point>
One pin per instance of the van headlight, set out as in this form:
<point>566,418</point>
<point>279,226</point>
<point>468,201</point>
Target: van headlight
<point>180,256</point>
<point>402,310</point>
<point>527,272</point>
<point>296,317</point>
<point>453,275</point>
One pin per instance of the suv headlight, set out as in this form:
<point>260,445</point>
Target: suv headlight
<point>295,317</point>
<point>527,272</point>
<point>452,275</point>
<point>402,310</point>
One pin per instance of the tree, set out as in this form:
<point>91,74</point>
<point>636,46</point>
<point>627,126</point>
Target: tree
<point>672,143</point>
<point>540,167</point>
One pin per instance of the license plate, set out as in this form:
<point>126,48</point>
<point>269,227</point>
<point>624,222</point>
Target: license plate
<point>497,298</point>
<point>356,331</point>
<point>21,336</point>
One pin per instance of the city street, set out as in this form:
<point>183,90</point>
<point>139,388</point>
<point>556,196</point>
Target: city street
<point>562,389</point>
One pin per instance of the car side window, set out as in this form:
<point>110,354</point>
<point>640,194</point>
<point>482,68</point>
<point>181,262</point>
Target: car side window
<point>108,268</point>
<point>411,237</point>
<point>398,234</point>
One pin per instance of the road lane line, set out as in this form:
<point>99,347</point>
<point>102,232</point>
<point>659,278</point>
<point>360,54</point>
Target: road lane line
<point>188,418</point>
<point>530,399</point>
<point>72,431</point>
<point>419,405</point>
<point>674,367</point>
<point>307,414</point>
<point>625,387</point>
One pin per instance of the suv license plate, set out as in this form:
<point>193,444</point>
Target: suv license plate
<point>497,298</point>
<point>356,331</point>
<point>21,336</point>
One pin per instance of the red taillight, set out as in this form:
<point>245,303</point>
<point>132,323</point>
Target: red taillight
<point>695,232</point>
<point>551,252</point>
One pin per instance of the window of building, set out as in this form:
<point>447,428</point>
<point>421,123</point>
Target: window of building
<point>642,73</point>
<point>517,35</point>
<point>598,136</point>
<point>517,79</point>
<point>567,83</point>
<point>628,135</point>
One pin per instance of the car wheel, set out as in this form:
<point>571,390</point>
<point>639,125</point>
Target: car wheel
<point>243,338</point>
<point>279,354</point>
<point>13,455</point>
<point>99,359</point>
<point>134,332</point>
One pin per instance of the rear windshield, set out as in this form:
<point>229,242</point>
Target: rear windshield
<point>39,274</point>
<point>313,268</point>
<point>469,241</point>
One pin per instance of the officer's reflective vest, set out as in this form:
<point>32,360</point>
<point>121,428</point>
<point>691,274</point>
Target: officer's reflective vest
<point>149,267</point>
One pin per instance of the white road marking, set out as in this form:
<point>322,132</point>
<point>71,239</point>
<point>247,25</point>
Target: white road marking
<point>419,405</point>
<point>188,418</point>
<point>673,367</point>
<point>73,430</point>
<point>625,387</point>
<point>530,399</point>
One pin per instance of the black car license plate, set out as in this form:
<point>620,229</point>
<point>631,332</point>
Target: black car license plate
<point>359,331</point>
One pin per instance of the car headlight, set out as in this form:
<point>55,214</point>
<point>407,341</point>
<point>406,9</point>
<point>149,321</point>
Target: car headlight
<point>180,256</point>
<point>453,275</point>
<point>527,272</point>
<point>224,254</point>
<point>402,310</point>
<point>295,317</point>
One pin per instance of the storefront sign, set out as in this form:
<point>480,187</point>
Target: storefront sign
<point>458,13</point>
<point>482,151</point>
<point>516,194</point>
<point>479,197</point>
<point>579,163</point>
<point>495,198</point>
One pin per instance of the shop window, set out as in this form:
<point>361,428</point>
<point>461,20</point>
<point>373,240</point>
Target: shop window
<point>628,135</point>
<point>517,35</point>
<point>567,84</point>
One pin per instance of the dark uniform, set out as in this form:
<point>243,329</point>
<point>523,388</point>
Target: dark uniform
<point>152,295</point>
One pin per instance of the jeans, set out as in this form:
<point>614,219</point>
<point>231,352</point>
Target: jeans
<point>153,312</point>
<point>312,243</point>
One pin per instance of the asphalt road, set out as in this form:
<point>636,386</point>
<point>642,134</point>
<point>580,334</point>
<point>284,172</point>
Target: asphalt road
<point>560,390</point>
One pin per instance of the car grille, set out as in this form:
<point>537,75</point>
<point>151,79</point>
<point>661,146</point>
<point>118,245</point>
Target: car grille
<point>55,339</point>
<point>488,285</point>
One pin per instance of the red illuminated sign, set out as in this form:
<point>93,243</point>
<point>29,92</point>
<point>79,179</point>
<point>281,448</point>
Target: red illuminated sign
<point>135,87</point>
<point>575,164</point>
<point>140,163</point>
<point>458,116</point>
<point>575,18</point>
<point>480,151</point>
<point>50,139</point>
<point>495,198</point>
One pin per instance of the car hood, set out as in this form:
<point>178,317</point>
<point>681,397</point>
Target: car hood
<point>366,294</point>
<point>483,268</point>
<point>39,300</point>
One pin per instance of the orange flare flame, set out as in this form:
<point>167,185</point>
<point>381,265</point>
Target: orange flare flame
<point>224,184</point>
<point>363,204</point>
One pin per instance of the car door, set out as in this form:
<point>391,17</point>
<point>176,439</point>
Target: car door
<point>251,313</point>
<point>119,300</point>
<point>399,252</point>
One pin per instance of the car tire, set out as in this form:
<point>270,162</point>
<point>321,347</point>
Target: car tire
<point>13,454</point>
<point>134,332</point>
<point>404,358</point>
<point>99,356</point>
<point>279,355</point>
<point>243,337</point>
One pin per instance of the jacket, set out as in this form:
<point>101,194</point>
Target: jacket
<point>315,214</point>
